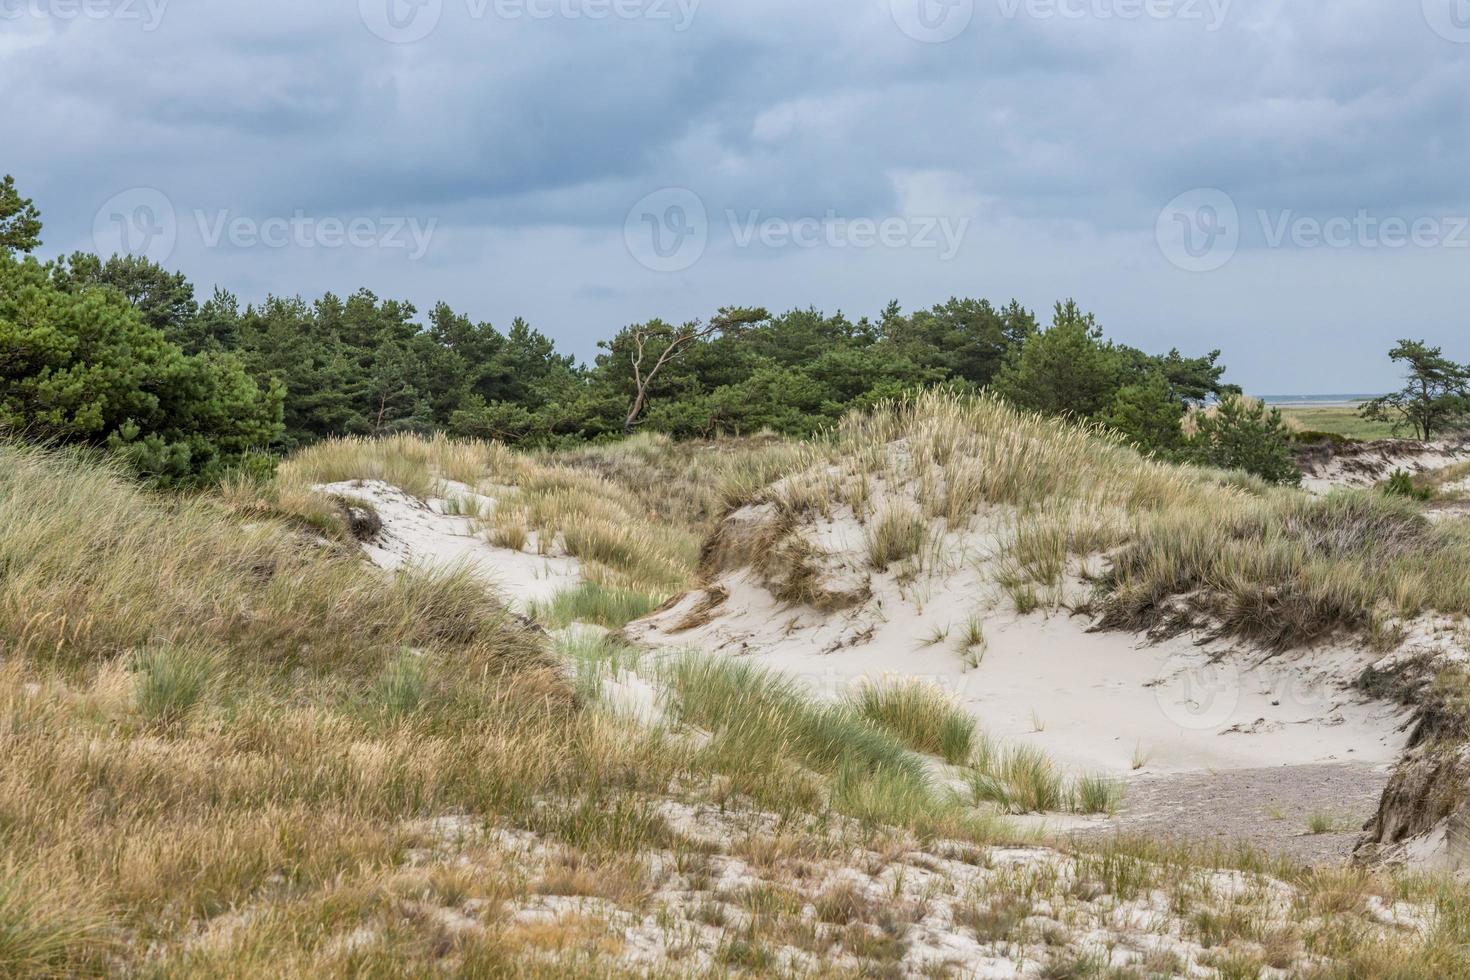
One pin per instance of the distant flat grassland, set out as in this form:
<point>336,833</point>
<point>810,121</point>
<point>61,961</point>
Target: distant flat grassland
<point>1342,420</point>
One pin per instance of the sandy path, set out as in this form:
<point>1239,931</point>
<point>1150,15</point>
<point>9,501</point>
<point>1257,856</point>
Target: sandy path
<point>1269,809</point>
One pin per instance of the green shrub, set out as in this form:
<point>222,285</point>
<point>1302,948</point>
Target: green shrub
<point>1244,434</point>
<point>1402,484</point>
<point>83,367</point>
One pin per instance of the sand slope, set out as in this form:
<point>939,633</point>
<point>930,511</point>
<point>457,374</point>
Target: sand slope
<point>1327,468</point>
<point>1096,701</point>
<point>419,533</point>
<point>1102,702</point>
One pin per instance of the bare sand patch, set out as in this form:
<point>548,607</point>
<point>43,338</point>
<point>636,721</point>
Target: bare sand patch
<point>1330,467</point>
<point>1175,716</point>
<point>422,533</point>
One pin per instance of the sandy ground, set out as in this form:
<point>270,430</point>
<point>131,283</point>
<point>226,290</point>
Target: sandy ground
<point>944,908</point>
<point>1102,702</point>
<point>1367,464</point>
<point>1209,737</point>
<point>1094,700</point>
<point>418,533</point>
<point>1271,809</point>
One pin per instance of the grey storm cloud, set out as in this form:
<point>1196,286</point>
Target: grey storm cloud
<point>524,131</point>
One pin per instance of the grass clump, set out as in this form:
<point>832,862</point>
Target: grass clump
<point>403,687</point>
<point>49,935</point>
<point>1020,778</point>
<point>599,605</point>
<point>920,715</point>
<point>1093,793</point>
<point>1321,823</point>
<point>170,682</point>
<point>896,534</point>
<point>769,738</point>
<point>770,716</point>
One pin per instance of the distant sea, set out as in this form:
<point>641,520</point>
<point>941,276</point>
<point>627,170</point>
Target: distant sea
<point>1317,401</point>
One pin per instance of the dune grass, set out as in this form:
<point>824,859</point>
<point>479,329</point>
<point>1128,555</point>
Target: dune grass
<point>919,715</point>
<point>221,733</point>
<point>895,534</point>
<point>170,682</point>
<point>617,539</point>
<point>215,725</point>
<point>1020,778</point>
<point>768,715</point>
<point>593,603</point>
<point>1269,564</point>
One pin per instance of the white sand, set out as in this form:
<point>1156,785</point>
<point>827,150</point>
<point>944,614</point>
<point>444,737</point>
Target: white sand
<point>1094,701</point>
<point>1370,463</point>
<point>420,534</point>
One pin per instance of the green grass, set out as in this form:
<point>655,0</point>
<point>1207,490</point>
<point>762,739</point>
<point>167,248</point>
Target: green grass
<point>1093,793</point>
<point>769,715</point>
<point>169,682</point>
<point>919,715</point>
<point>44,935</point>
<point>403,687</point>
<point>1321,823</point>
<point>599,605</point>
<point>1020,778</point>
<point>1340,420</point>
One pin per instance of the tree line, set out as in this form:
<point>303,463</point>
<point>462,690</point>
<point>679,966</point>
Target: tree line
<point>122,353</point>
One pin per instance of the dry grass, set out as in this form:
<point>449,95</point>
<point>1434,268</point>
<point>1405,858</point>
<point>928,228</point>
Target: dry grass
<point>635,514</point>
<point>221,733</point>
<point>225,735</point>
<point>1270,564</point>
<point>896,534</point>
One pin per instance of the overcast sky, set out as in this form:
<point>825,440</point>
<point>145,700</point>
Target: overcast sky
<point>1283,179</point>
